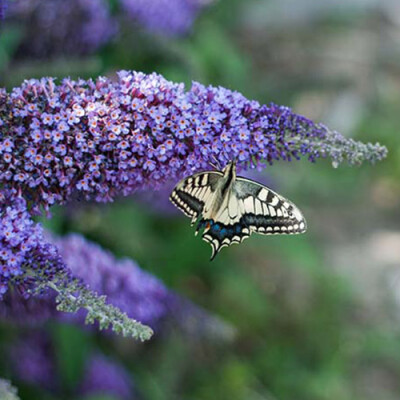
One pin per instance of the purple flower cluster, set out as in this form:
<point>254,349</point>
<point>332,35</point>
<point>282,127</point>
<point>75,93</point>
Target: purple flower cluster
<point>134,291</point>
<point>103,376</point>
<point>33,361</point>
<point>173,17</point>
<point>59,27</point>
<point>3,7</point>
<point>18,309</point>
<point>98,139</point>
<point>22,245</point>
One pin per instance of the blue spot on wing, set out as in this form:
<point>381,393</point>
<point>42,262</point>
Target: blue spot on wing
<point>215,227</point>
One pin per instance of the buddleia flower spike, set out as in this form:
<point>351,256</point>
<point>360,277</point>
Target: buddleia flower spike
<point>98,139</point>
<point>231,208</point>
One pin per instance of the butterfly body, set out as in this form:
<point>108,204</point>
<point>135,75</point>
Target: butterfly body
<point>218,202</point>
<point>231,208</point>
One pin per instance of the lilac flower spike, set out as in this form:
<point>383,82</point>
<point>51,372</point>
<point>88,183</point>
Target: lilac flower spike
<point>54,27</point>
<point>33,359</point>
<point>33,265</point>
<point>22,243</point>
<point>98,139</point>
<point>134,291</point>
<point>3,6</point>
<point>105,377</point>
<point>173,17</point>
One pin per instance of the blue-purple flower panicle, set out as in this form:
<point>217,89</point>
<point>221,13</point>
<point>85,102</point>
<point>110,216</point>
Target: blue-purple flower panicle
<point>59,27</point>
<point>67,287</point>
<point>134,291</point>
<point>76,27</point>
<point>22,245</point>
<point>32,264</point>
<point>3,7</point>
<point>173,17</point>
<point>34,361</point>
<point>98,139</point>
<point>104,376</point>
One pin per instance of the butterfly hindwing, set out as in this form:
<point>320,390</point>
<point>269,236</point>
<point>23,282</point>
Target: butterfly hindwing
<point>220,235</point>
<point>251,207</point>
<point>191,194</point>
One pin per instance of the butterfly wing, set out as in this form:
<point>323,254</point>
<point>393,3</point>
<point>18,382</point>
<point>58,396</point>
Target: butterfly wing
<point>266,211</point>
<point>251,207</point>
<point>192,193</point>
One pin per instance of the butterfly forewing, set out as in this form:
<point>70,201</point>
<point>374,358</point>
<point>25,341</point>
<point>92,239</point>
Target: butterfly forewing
<point>191,194</point>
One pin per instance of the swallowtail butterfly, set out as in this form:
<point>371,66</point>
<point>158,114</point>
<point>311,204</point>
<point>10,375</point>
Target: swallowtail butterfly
<point>231,208</point>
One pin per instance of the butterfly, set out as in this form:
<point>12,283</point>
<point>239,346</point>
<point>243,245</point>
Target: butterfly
<point>231,208</point>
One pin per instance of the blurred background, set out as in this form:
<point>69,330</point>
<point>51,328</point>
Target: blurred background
<point>316,316</point>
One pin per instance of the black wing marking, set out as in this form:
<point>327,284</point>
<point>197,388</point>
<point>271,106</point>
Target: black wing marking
<point>252,207</point>
<point>191,193</point>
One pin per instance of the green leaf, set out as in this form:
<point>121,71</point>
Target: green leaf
<point>72,346</point>
<point>10,38</point>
